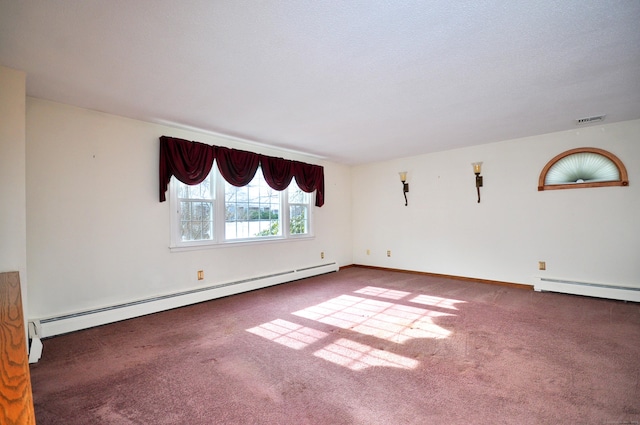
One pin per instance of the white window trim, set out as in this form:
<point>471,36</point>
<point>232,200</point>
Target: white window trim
<point>218,241</point>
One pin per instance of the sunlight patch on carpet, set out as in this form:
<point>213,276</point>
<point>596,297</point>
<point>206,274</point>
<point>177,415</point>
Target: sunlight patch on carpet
<point>287,333</point>
<point>372,314</point>
<point>356,356</point>
<point>394,294</point>
<point>381,319</point>
<point>436,301</point>
<point>382,292</point>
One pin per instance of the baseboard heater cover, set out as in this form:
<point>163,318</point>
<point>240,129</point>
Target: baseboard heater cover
<point>52,326</point>
<point>599,290</point>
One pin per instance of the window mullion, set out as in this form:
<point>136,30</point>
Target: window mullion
<point>219,223</point>
<point>284,215</point>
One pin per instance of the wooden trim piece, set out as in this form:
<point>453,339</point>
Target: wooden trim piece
<point>447,276</point>
<point>624,177</point>
<point>16,399</point>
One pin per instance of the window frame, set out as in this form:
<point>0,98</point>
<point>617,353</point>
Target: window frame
<point>309,209</point>
<point>174,203</point>
<point>218,211</point>
<point>622,181</point>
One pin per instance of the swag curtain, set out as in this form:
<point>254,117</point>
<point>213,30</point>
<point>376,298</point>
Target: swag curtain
<point>191,162</point>
<point>276,171</point>
<point>237,167</point>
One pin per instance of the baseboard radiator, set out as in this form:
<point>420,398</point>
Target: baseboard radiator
<point>52,326</point>
<point>614,292</point>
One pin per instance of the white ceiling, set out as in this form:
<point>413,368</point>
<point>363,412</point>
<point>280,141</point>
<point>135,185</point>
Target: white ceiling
<point>351,81</point>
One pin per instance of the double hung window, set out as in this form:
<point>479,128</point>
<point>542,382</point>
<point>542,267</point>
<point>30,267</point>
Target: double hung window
<point>215,212</point>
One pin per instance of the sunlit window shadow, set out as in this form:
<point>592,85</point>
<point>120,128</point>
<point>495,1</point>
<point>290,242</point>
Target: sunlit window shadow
<point>356,356</point>
<point>420,299</point>
<point>379,318</point>
<point>436,301</point>
<point>382,319</point>
<point>382,292</point>
<point>288,334</point>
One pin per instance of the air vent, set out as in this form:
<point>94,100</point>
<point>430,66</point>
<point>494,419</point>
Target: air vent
<point>589,120</point>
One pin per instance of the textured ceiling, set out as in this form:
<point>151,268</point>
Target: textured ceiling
<point>352,81</point>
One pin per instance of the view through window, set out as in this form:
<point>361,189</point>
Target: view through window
<point>215,211</point>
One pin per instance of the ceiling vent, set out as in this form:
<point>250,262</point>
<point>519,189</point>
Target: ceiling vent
<point>589,120</point>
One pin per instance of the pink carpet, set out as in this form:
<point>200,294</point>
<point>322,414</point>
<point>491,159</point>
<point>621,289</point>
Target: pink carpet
<point>355,347</point>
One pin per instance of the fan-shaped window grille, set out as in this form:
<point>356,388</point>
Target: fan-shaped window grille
<point>583,167</point>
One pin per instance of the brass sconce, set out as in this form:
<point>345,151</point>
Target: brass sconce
<point>405,185</point>
<point>477,169</point>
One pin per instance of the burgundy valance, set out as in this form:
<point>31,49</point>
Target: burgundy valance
<point>277,171</point>
<point>191,162</point>
<point>237,167</point>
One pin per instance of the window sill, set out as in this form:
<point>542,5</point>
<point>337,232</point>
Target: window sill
<point>237,243</point>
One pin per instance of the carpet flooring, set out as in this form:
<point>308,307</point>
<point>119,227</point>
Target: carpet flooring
<point>359,346</point>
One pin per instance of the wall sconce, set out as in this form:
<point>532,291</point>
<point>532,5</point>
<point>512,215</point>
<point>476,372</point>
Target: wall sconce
<point>477,169</point>
<point>405,185</point>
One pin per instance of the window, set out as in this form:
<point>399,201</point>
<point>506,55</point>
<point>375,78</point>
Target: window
<point>252,210</point>
<point>215,212</point>
<point>299,202</point>
<point>195,210</point>
<point>583,167</point>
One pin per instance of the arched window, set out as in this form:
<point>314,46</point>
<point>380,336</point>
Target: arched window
<point>583,167</point>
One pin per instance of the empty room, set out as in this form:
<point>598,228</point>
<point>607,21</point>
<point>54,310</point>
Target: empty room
<point>296,212</point>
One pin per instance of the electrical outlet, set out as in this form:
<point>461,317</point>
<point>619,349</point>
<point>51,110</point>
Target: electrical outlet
<point>542,265</point>
<point>200,274</point>
<point>322,255</point>
<point>368,252</point>
<point>389,253</point>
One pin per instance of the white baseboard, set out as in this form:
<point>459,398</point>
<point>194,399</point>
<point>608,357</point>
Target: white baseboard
<point>599,290</point>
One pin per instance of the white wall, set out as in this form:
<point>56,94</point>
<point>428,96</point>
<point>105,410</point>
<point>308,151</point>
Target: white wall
<point>97,234</point>
<point>13,233</point>
<point>586,234</point>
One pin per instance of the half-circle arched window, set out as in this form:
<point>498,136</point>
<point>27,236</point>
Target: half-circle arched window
<point>583,167</point>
